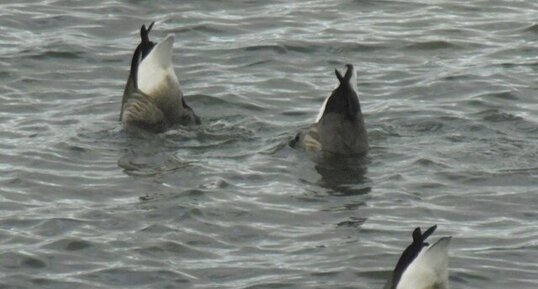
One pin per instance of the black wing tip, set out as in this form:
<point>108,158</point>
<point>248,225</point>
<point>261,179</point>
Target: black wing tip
<point>420,237</point>
<point>417,235</point>
<point>429,231</point>
<point>143,28</point>
<point>349,72</point>
<point>150,26</point>
<point>339,75</point>
<point>347,77</point>
<point>144,32</point>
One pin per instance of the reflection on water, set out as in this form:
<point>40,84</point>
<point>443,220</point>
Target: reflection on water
<point>448,89</point>
<point>343,175</point>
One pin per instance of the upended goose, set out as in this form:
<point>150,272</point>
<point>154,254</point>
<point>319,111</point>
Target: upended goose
<point>152,98</point>
<point>421,265</point>
<point>339,126</point>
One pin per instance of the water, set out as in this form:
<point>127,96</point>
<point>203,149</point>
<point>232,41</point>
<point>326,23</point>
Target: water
<point>449,94</point>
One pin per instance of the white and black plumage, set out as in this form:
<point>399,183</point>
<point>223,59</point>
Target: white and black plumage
<point>152,98</point>
<point>421,265</point>
<point>339,127</point>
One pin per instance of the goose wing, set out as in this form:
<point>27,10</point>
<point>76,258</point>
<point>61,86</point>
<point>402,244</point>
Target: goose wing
<point>141,111</point>
<point>141,51</point>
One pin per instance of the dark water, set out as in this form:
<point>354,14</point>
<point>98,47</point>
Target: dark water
<point>449,94</point>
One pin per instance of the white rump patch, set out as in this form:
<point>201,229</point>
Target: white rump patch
<point>155,73</point>
<point>353,80</point>
<point>429,268</point>
<point>322,109</point>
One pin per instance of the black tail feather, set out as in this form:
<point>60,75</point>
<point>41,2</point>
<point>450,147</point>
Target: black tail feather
<point>346,78</point>
<point>339,76</point>
<point>146,45</point>
<point>349,72</point>
<point>344,98</point>
<point>428,233</point>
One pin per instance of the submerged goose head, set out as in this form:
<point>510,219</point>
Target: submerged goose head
<point>152,97</point>
<point>421,265</point>
<point>339,126</point>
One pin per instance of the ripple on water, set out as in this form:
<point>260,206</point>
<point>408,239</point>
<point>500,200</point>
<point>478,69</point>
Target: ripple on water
<point>449,100</point>
<point>126,276</point>
<point>432,45</point>
<point>532,28</point>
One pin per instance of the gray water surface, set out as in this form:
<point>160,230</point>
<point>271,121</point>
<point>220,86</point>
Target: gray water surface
<point>448,89</point>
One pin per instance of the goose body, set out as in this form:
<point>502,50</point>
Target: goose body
<point>339,127</point>
<point>152,98</point>
<point>421,265</point>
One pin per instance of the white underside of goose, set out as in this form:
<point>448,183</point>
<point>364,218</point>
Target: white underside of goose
<point>429,270</point>
<point>156,74</point>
